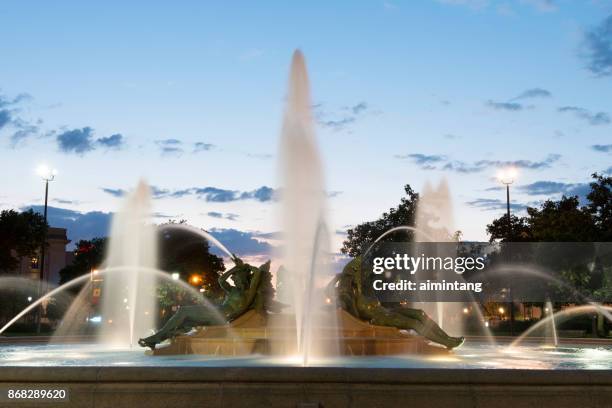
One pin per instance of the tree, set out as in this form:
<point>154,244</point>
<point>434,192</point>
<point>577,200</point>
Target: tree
<point>562,221</point>
<point>517,232</point>
<point>188,254</point>
<point>21,235</point>
<point>364,234</point>
<point>88,255</point>
<point>600,206</point>
<point>579,265</point>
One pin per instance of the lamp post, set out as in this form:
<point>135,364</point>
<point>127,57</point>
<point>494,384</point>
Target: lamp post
<point>506,177</point>
<point>47,174</point>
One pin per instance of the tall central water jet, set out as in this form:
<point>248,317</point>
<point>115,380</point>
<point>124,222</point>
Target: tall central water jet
<point>306,241</point>
<point>128,296</point>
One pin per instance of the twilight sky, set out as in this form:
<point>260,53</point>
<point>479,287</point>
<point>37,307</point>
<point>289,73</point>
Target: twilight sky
<point>189,95</point>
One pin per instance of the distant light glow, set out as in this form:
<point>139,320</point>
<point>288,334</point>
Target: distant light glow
<point>96,319</point>
<point>175,276</point>
<point>466,310</point>
<point>46,172</point>
<point>501,310</point>
<point>508,175</point>
<point>29,298</point>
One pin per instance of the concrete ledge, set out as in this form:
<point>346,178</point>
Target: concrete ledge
<point>154,387</point>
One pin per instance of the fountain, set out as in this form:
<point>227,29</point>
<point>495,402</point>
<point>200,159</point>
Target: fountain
<point>333,322</point>
<point>129,297</point>
<point>306,254</point>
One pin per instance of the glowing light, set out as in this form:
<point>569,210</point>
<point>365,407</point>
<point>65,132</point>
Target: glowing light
<point>466,310</point>
<point>110,321</point>
<point>328,301</point>
<point>195,279</point>
<point>125,300</point>
<point>486,324</point>
<point>175,276</point>
<point>95,271</point>
<point>46,172</point>
<point>507,176</point>
<point>96,319</point>
<point>29,298</point>
<point>201,290</point>
<point>501,310</point>
<point>546,309</point>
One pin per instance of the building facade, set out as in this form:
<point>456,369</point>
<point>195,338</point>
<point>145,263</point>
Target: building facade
<point>56,258</point>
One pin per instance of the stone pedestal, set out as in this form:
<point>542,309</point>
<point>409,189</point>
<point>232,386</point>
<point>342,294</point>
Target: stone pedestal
<point>254,333</point>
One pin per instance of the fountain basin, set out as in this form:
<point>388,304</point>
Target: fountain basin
<point>255,333</point>
<point>326,387</point>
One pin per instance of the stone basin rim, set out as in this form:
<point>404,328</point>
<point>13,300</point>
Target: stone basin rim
<point>76,374</point>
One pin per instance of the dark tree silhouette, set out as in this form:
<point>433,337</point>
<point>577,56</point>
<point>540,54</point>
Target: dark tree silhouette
<point>21,235</point>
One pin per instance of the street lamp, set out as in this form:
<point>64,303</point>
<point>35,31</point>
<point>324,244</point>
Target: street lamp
<point>507,177</point>
<point>47,174</point>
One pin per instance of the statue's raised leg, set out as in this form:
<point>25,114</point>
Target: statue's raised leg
<point>417,320</point>
<point>186,318</point>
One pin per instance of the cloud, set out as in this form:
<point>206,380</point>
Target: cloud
<point>554,187</point>
<point>491,204</point>
<point>115,192</point>
<point>262,194</point>
<point>81,141</point>
<point>602,148</point>
<point>594,119</point>
<point>209,194</point>
<point>507,106</point>
<point>533,93</point>
<point>348,115</point>
<point>462,167</point>
<point>63,201</point>
<point>170,147</point>
<point>112,142</point>
<point>440,162</point>
<point>217,195</point>
<point>227,216</point>
<point>241,243</point>
<point>5,118</point>
<point>79,225</point>
<point>276,235</point>
<point>9,117</point>
<point>4,101</point>
<point>597,48</point>
<point>162,215</point>
<point>24,129</point>
<point>520,164</point>
<point>202,147</point>
<point>425,161</point>
<point>77,141</point>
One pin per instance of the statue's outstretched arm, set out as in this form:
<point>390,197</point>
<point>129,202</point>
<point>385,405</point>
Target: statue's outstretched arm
<point>255,280</point>
<point>223,280</point>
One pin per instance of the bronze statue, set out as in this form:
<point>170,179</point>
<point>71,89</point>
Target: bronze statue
<point>358,299</point>
<point>252,290</point>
